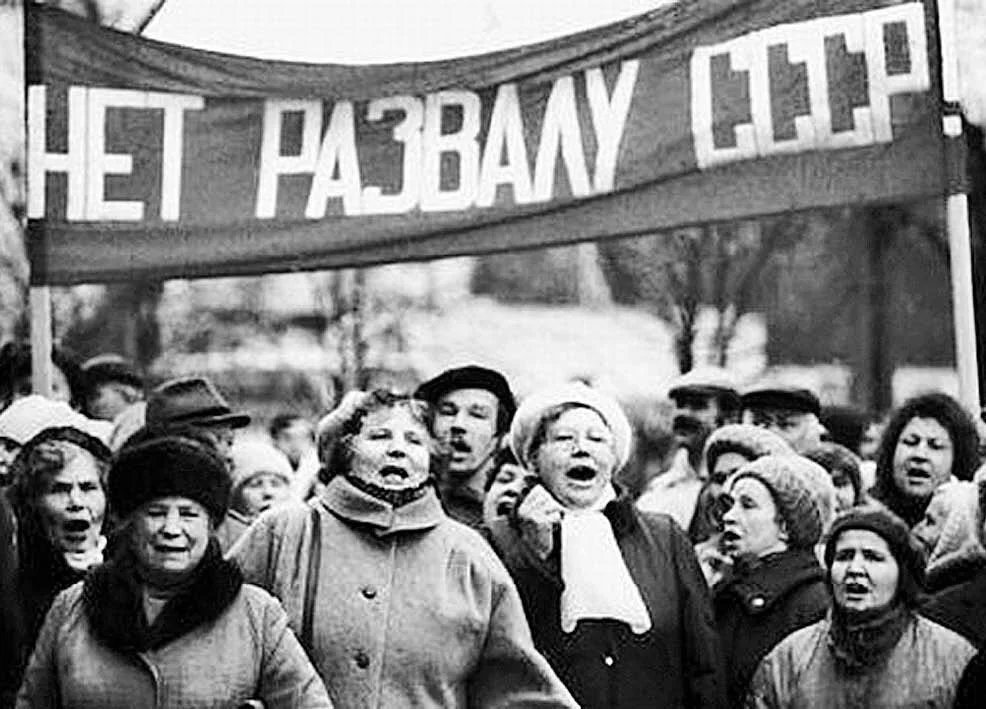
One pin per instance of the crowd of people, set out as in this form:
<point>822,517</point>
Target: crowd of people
<point>452,546</point>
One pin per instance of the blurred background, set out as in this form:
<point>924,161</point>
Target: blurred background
<point>855,302</point>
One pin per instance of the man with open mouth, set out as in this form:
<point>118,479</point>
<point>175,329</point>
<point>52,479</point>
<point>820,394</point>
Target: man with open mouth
<point>473,407</point>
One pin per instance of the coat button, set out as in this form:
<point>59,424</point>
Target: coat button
<point>757,602</point>
<point>608,660</point>
<point>362,660</point>
<point>369,592</point>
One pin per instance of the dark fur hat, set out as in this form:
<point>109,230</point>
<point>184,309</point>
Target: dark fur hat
<point>168,465</point>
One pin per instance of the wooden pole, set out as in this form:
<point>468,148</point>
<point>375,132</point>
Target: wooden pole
<point>957,221</point>
<point>42,368</point>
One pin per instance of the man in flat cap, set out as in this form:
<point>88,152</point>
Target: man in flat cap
<point>473,409</point>
<point>704,399</point>
<point>790,412</point>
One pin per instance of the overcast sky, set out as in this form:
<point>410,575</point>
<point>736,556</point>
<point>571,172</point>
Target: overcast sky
<point>373,31</point>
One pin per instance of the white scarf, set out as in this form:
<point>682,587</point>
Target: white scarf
<point>597,582</point>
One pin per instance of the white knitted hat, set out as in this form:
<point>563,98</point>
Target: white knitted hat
<point>252,457</point>
<point>28,416</point>
<point>534,407</point>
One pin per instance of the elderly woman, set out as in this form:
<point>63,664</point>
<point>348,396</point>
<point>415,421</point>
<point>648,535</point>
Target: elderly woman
<point>928,440</point>
<point>59,506</point>
<point>872,650</point>
<point>398,605</point>
<point>614,596</point>
<point>777,508</point>
<point>166,621</point>
<point>951,535</point>
<point>261,478</point>
<point>726,451</point>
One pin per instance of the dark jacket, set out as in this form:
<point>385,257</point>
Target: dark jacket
<point>677,663</point>
<point>11,620</point>
<point>961,608</point>
<point>755,609</point>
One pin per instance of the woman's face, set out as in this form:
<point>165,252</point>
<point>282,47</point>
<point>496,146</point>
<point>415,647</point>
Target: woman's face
<point>577,458</point>
<point>864,573</point>
<point>170,536</point>
<point>922,458</point>
<point>73,503</point>
<point>750,524</point>
<point>929,529</point>
<point>845,493</point>
<point>392,450</point>
<point>503,494</point>
<point>261,491</point>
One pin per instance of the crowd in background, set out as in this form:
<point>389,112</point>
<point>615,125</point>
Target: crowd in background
<point>455,547</point>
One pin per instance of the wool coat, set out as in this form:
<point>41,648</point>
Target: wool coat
<point>245,653</point>
<point>757,608</point>
<point>413,609</point>
<point>802,672</point>
<point>962,608</point>
<point>677,663</point>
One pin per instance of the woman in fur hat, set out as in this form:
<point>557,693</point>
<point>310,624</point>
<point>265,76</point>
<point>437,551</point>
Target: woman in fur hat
<point>929,440</point>
<point>397,604</point>
<point>614,596</point>
<point>776,510</point>
<point>872,650</point>
<point>166,621</point>
<point>58,506</point>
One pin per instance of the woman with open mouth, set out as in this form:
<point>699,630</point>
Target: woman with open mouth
<point>59,504</point>
<point>776,509</point>
<point>872,650</point>
<point>615,598</point>
<point>166,621</point>
<point>930,439</point>
<point>397,604</point>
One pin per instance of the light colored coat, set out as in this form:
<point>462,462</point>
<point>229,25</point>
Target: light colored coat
<point>923,670</point>
<point>412,609</point>
<point>247,653</point>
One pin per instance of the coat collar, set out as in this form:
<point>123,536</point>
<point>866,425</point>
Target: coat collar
<point>345,500</point>
<point>620,513</point>
<point>760,588</point>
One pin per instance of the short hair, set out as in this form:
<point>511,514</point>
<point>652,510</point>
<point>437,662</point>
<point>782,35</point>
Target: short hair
<point>15,367</point>
<point>952,417</point>
<point>283,421</point>
<point>339,458</point>
<point>835,457</point>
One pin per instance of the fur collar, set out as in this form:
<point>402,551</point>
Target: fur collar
<point>112,600</point>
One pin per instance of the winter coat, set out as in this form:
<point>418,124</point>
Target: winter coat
<point>463,505</point>
<point>757,608</point>
<point>218,644</point>
<point>412,609</point>
<point>961,608</point>
<point>10,617</point>
<point>923,670</point>
<point>233,526</point>
<point>677,663</point>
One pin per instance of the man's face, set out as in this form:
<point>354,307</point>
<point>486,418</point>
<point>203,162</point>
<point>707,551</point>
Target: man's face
<point>800,430</point>
<point>108,399</point>
<point>465,425</point>
<point>696,415</point>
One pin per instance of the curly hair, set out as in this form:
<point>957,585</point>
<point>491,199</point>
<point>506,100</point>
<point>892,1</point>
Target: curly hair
<point>953,418</point>
<point>836,458</point>
<point>340,454</point>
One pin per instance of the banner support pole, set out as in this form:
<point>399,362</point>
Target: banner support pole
<point>42,368</point>
<point>957,216</point>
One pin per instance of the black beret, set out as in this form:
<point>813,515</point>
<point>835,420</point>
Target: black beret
<point>788,399</point>
<point>169,465</point>
<point>469,377</point>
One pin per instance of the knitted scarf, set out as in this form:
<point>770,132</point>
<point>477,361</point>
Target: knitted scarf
<point>860,639</point>
<point>396,498</point>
